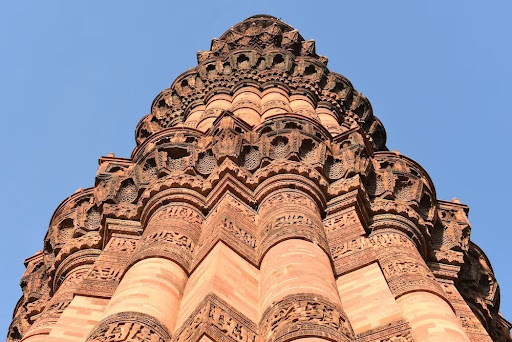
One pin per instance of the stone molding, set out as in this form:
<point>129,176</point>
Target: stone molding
<point>304,315</point>
<point>398,331</point>
<point>129,326</point>
<point>218,320</point>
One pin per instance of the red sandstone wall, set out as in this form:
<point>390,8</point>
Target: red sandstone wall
<point>260,204</point>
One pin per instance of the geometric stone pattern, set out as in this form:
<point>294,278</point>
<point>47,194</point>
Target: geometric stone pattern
<point>260,204</point>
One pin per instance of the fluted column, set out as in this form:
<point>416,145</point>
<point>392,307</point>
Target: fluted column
<point>298,293</point>
<point>60,301</point>
<point>247,104</point>
<point>420,297</point>
<point>303,104</point>
<point>328,118</point>
<point>274,100</point>
<point>196,112</point>
<point>147,300</point>
<point>216,103</point>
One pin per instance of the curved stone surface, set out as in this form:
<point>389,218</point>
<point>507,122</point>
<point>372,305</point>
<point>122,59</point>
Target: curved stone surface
<point>260,204</point>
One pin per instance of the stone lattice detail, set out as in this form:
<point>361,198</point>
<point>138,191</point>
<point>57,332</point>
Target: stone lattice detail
<point>286,58</point>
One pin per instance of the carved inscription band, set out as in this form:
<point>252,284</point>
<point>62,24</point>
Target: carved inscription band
<point>130,326</point>
<point>303,315</point>
<point>219,321</point>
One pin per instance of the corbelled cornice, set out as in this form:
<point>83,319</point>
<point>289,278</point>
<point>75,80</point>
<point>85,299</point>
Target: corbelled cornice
<point>260,52</point>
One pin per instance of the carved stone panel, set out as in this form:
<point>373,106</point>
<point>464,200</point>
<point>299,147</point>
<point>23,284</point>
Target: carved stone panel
<point>304,315</point>
<point>218,320</point>
<point>129,326</point>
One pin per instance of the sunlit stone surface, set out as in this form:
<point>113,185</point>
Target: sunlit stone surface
<point>260,204</point>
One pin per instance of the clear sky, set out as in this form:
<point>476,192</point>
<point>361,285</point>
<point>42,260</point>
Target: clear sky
<point>76,77</point>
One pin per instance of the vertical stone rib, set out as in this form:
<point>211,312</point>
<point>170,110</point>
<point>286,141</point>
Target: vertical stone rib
<point>431,318</point>
<point>146,302</point>
<point>298,293</point>
<point>152,286</point>
<point>36,338</point>
<point>420,297</point>
<point>56,306</point>
<point>247,104</point>
<point>274,101</point>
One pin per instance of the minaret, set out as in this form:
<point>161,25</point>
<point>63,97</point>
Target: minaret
<point>259,204</point>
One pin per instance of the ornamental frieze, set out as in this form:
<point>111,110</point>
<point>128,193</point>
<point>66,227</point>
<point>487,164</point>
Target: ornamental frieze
<point>304,315</point>
<point>398,331</point>
<point>217,319</point>
<point>129,326</point>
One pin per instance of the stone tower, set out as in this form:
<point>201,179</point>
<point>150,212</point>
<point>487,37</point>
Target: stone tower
<point>260,204</point>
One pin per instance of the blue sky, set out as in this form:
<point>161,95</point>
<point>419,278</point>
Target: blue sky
<point>75,78</point>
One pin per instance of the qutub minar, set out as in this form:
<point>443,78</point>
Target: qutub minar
<point>260,204</point>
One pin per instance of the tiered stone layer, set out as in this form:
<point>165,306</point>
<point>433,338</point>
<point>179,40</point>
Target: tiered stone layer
<point>260,204</point>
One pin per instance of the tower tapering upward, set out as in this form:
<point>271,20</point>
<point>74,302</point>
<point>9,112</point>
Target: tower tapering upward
<point>260,204</point>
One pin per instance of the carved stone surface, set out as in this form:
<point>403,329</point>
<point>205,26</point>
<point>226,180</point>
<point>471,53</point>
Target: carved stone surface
<point>259,145</point>
<point>110,266</point>
<point>129,326</point>
<point>304,315</point>
<point>398,331</point>
<point>58,302</point>
<point>480,290</point>
<point>219,321</point>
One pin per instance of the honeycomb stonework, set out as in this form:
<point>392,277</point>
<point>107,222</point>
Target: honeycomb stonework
<point>260,204</point>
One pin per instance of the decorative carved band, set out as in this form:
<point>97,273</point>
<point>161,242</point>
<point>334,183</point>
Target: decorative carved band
<point>411,283</point>
<point>288,214</point>
<point>233,233</point>
<point>239,233</point>
<point>403,266</point>
<point>170,237</point>
<point>302,315</point>
<point>179,211</point>
<point>395,215</point>
<point>287,197</point>
<point>358,252</point>
<point>346,220</point>
<point>296,224</point>
<point>393,222</point>
<point>398,331</point>
<point>129,326</point>
<point>105,273</point>
<point>49,317</point>
<point>102,280</point>
<point>173,251</point>
<point>219,320</point>
<point>75,262</point>
<point>109,268</point>
<point>172,233</point>
<point>382,240</point>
